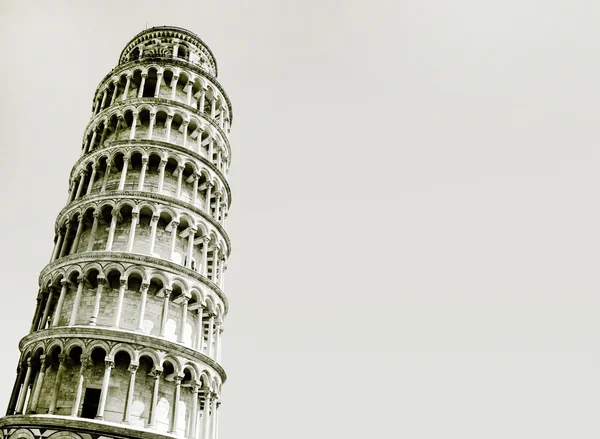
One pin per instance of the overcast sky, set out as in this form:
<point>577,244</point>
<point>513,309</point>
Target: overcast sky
<point>415,218</point>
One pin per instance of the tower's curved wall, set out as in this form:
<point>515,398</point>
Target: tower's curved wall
<point>126,334</point>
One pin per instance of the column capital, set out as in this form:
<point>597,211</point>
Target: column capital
<point>154,218</point>
<point>123,282</point>
<point>62,358</point>
<point>145,286</point>
<point>101,279</point>
<point>97,214</point>
<point>152,115</point>
<point>135,214</point>
<point>109,363</point>
<point>85,360</point>
<point>169,117</point>
<point>144,74</point>
<point>144,160</point>
<point>185,122</point>
<point>133,367</point>
<point>155,373</point>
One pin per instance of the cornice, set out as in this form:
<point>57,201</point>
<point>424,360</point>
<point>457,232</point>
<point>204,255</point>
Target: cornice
<point>140,195</point>
<point>122,336</point>
<point>149,261</point>
<point>80,425</point>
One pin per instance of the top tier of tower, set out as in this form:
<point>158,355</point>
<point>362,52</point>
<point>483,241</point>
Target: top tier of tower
<point>170,42</point>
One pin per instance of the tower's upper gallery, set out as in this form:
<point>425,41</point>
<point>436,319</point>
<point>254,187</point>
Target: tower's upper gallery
<point>171,42</point>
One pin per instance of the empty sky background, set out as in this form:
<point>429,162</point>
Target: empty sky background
<point>415,218</point>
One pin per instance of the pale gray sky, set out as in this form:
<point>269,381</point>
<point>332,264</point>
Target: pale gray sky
<point>415,220</point>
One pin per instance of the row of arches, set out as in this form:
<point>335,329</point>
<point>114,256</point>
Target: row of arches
<point>136,169</point>
<point>144,121</point>
<point>167,46</point>
<point>96,379</point>
<point>147,301</point>
<point>141,227</point>
<point>165,82</point>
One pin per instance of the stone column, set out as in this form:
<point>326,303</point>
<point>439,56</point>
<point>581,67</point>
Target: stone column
<point>190,249</point>
<point>38,385</point>
<point>216,422</point>
<point>174,86</point>
<point>39,304</point>
<point>142,83</point>
<point>106,174</point>
<point>208,195</point>
<point>151,125</point>
<point>159,75</point>
<point>65,243</point>
<point>122,287</point>
<point>109,364</point>
<point>115,91</point>
<point>42,324</point>
<point>165,312</point>
<point>213,107</point>
<point>97,216</point>
<point>94,317</point>
<point>130,391</point>
<point>190,87</point>
<point>80,187</point>
<point>152,418</point>
<point>92,178</point>
<point>133,125</point>
<point>23,394</point>
<point>61,300</point>
<point>92,140</point>
<point>84,363</point>
<point>206,414</point>
<point>81,281</point>
<point>184,310</point>
<point>218,335</point>
<point>161,175</point>
<point>199,330</point>
<point>195,189</point>
<point>205,241</point>
<point>193,412</point>
<point>57,246</point>
<point>174,225</point>
<point>215,265</point>
<point>202,100</point>
<point>144,291</point>
<point>211,335</point>
<point>185,124</point>
<point>176,397</point>
<point>77,235</point>
<point>179,178</point>
<point>62,358</point>
<point>104,95</point>
<point>153,223</point>
<point>218,204</point>
<point>134,221</point>
<point>126,91</point>
<point>143,173</point>
<point>124,173</point>
<point>15,391</point>
<point>111,231</point>
<point>168,124</point>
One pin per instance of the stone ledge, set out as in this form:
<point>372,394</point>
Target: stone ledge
<point>79,425</point>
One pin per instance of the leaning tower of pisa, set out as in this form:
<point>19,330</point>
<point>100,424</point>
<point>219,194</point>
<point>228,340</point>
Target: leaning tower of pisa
<point>126,335</point>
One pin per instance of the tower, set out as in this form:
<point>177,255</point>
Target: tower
<point>126,336</point>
